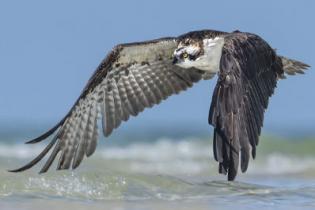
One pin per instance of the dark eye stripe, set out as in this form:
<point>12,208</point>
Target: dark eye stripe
<point>177,50</point>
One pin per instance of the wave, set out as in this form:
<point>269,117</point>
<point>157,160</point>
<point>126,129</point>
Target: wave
<point>278,163</point>
<point>114,187</point>
<point>166,170</point>
<point>167,156</point>
<point>163,148</point>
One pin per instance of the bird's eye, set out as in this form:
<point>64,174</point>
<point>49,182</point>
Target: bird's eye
<point>185,55</point>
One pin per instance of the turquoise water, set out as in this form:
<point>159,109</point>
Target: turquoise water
<point>162,173</point>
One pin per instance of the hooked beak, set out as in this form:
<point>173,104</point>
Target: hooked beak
<point>175,60</point>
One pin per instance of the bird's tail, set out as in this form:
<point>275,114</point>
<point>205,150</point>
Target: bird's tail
<point>292,67</point>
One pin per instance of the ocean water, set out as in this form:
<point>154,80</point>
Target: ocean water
<point>161,173</point>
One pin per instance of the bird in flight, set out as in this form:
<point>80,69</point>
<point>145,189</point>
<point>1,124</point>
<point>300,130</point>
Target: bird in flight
<point>139,75</point>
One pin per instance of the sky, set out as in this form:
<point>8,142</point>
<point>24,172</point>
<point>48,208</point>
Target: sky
<point>49,49</point>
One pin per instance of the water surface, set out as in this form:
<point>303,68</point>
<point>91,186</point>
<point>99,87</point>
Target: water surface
<point>163,173</point>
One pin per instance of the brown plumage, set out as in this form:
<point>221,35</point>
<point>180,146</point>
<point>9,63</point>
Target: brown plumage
<point>240,99</point>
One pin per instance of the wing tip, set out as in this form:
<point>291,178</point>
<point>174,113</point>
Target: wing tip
<point>231,175</point>
<point>16,170</point>
<point>46,134</point>
<point>33,141</point>
<point>23,168</point>
<point>37,158</point>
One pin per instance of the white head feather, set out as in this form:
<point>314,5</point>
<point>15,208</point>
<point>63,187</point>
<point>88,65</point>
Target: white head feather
<point>208,61</point>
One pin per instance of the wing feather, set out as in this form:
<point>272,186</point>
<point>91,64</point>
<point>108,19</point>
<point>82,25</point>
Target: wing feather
<point>133,99</point>
<point>137,90</point>
<point>109,122</point>
<point>51,158</point>
<point>93,132</point>
<point>118,106</point>
<point>127,108</point>
<point>248,75</point>
<point>131,78</point>
<point>144,94</point>
<point>152,90</point>
<point>80,149</point>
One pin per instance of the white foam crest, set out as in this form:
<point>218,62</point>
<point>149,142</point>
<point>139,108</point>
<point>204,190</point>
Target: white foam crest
<point>277,163</point>
<point>188,156</point>
<point>164,156</point>
<point>162,150</point>
<point>174,157</point>
<point>19,150</point>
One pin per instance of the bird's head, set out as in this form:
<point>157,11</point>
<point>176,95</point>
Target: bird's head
<point>198,52</point>
<point>187,52</point>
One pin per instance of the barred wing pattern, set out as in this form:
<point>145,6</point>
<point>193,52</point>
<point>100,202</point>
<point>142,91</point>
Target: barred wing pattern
<point>248,75</point>
<point>131,78</point>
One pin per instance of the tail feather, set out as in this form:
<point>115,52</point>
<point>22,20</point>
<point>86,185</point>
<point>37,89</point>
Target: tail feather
<point>292,67</point>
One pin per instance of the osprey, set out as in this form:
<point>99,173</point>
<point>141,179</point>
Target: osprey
<point>140,75</point>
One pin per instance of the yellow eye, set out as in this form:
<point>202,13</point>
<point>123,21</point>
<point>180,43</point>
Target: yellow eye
<point>185,55</point>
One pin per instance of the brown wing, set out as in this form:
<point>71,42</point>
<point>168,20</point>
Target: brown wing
<point>248,75</point>
<point>131,78</point>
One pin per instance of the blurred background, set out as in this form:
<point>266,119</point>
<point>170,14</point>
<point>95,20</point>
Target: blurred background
<point>48,51</point>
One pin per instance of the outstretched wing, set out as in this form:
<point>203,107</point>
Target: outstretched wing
<point>131,78</point>
<point>248,75</point>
